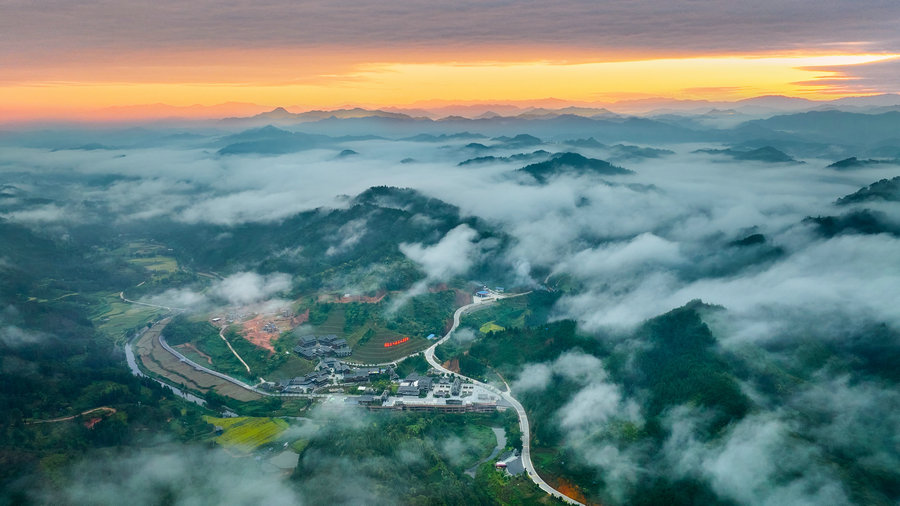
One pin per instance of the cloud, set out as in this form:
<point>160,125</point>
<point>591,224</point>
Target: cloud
<point>239,289</point>
<point>693,27</point>
<point>249,287</point>
<point>464,335</point>
<point>758,461</point>
<point>14,336</point>
<point>453,255</point>
<point>348,235</point>
<point>877,77</point>
<point>175,474</point>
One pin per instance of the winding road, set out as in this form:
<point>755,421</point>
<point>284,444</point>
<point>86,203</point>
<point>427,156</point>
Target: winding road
<point>429,356</point>
<point>506,396</point>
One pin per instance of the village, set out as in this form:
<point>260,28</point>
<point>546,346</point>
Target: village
<point>380,386</point>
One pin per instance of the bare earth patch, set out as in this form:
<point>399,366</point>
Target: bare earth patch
<point>254,330</point>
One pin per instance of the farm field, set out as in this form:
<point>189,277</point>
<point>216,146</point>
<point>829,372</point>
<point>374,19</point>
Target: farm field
<point>371,350</point>
<point>161,264</point>
<point>162,363</point>
<point>501,315</point>
<point>374,351</point>
<point>245,433</point>
<point>292,367</point>
<point>490,327</point>
<point>115,317</point>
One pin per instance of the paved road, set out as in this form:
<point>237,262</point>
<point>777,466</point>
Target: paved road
<point>122,296</point>
<point>506,396</point>
<point>429,356</point>
<point>136,370</point>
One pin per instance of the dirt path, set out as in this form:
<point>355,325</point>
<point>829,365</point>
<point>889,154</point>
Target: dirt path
<point>105,409</point>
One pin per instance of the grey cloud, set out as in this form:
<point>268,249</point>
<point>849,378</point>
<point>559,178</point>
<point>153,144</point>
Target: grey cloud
<point>239,289</point>
<point>175,474</point>
<point>348,235</point>
<point>876,77</point>
<point>14,336</point>
<point>692,26</point>
<point>453,255</point>
<point>759,461</point>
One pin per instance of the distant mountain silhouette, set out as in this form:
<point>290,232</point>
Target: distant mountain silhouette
<point>855,163</point>
<point>885,190</point>
<point>571,163</point>
<point>764,154</point>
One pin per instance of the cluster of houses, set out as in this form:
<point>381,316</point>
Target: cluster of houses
<point>236,316</point>
<point>418,385</point>
<point>329,371</point>
<point>311,347</point>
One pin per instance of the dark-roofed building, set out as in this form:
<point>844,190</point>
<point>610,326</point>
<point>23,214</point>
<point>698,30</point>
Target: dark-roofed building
<point>307,340</point>
<point>408,390</point>
<point>356,376</point>
<point>343,351</point>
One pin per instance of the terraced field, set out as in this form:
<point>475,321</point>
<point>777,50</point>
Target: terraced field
<point>245,433</point>
<point>372,350</point>
<point>157,360</point>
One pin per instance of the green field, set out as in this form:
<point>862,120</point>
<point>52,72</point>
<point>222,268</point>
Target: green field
<point>156,263</point>
<point>246,433</point>
<point>515,312</point>
<point>490,327</point>
<point>371,350</point>
<point>115,317</point>
<point>292,367</point>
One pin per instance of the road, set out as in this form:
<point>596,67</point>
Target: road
<point>136,370</point>
<point>429,356</point>
<point>105,409</point>
<point>122,296</point>
<point>507,396</point>
<point>222,335</point>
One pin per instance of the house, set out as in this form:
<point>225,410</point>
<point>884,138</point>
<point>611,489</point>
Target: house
<point>338,343</point>
<point>408,390</point>
<point>356,376</point>
<point>455,387</point>
<point>422,383</point>
<point>368,400</point>
<point>343,351</point>
<point>442,388</point>
<point>328,339</point>
<point>307,340</point>
<point>467,389</point>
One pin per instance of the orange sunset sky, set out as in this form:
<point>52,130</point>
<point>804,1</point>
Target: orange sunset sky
<point>101,59</point>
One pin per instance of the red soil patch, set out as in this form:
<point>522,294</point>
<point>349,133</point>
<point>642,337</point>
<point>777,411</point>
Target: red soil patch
<point>452,365</point>
<point>462,298</point>
<point>252,330</point>
<point>568,489</point>
<point>93,421</point>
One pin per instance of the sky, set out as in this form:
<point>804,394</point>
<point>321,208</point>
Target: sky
<point>100,58</point>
